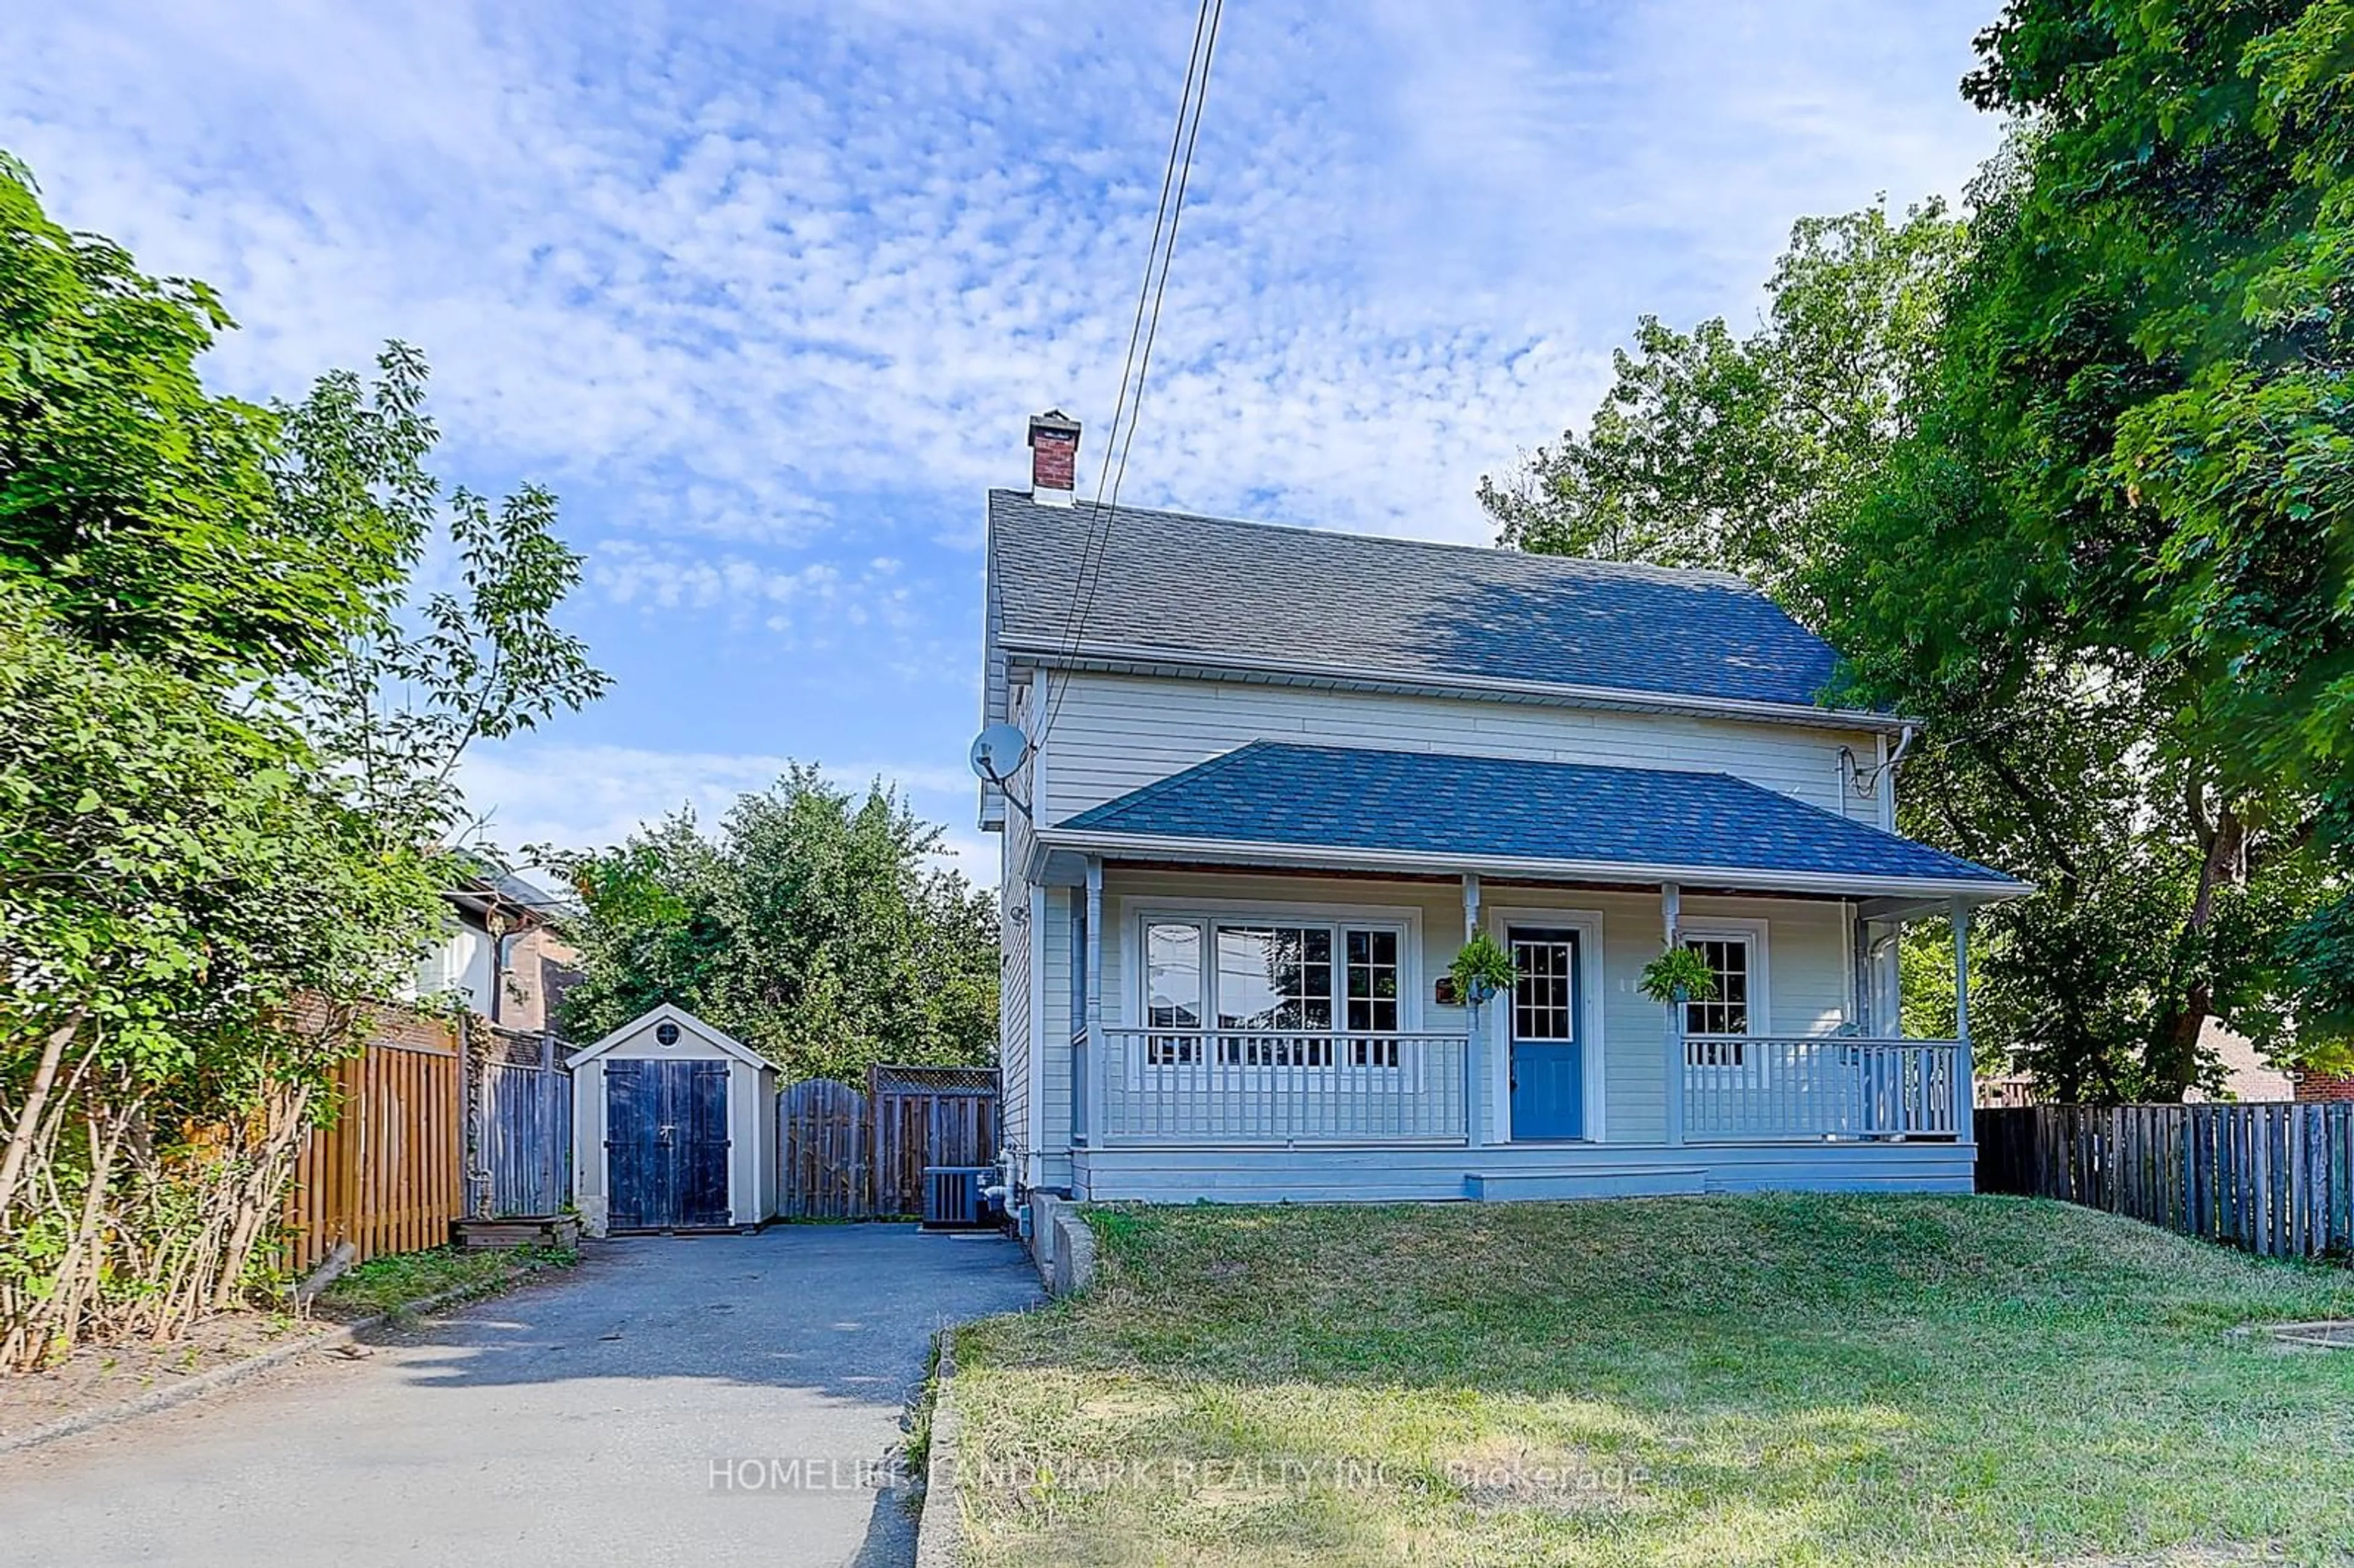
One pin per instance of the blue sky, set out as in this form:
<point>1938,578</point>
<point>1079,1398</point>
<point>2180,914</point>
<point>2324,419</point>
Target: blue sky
<point>765,293</point>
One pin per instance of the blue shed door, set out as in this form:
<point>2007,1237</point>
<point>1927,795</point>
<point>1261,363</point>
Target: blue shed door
<point>666,1145</point>
<point>1548,1058</point>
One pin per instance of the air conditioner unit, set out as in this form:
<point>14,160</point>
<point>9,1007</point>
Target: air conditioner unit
<point>952,1197</point>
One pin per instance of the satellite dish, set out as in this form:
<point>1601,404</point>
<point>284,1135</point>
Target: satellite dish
<point>999,752</point>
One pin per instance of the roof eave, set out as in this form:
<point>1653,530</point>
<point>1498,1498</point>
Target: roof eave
<point>1111,658</point>
<point>1333,857</point>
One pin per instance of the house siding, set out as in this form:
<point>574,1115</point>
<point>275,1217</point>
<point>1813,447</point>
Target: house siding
<point>1017,966</point>
<point>1053,1078</point>
<point>1113,734</point>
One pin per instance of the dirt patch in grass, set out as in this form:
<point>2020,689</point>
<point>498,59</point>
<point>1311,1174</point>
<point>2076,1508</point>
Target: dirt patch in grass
<point>1773,1379</point>
<point>97,1376</point>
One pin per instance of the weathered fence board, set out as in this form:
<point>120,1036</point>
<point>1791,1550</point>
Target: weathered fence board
<point>2275,1179</point>
<point>844,1155</point>
<point>384,1172</point>
<point>822,1161</point>
<point>928,1115</point>
<point>526,1127</point>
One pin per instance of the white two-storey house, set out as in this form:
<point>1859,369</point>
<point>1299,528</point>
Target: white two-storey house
<point>1274,778</point>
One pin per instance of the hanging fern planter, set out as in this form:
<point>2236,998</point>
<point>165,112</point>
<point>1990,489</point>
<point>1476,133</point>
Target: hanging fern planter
<point>1481,969</point>
<point>1678,975</point>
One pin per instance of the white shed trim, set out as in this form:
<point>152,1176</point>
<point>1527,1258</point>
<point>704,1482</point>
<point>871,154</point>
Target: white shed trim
<point>727,1045</point>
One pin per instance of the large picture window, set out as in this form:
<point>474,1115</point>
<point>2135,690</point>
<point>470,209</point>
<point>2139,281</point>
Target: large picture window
<point>1274,992</point>
<point>1275,977</point>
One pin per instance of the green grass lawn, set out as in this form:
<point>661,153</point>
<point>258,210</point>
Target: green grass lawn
<point>1787,1380</point>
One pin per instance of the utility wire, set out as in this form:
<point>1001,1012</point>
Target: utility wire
<point>1071,611</point>
<point>1142,330</point>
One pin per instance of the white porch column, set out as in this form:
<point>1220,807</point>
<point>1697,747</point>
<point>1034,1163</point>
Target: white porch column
<point>1964,1096</point>
<point>1097,1075</point>
<point>1671,917</point>
<point>1475,1038</point>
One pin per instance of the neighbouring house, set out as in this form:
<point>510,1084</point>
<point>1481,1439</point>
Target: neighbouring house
<point>504,956</point>
<point>2309,1085</point>
<point>2248,1078</point>
<point>1275,777</point>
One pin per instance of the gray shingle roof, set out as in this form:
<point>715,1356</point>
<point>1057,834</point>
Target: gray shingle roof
<point>1328,796</point>
<point>1399,609</point>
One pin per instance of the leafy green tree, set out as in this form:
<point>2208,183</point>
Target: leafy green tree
<point>2130,475</point>
<point>158,517</point>
<point>809,927</point>
<point>227,743</point>
<point>412,685</point>
<point>190,909</point>
<point>1740,453</point>
<point>1776,455</point>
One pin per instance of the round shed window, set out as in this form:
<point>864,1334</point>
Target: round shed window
<point>667,1033</point>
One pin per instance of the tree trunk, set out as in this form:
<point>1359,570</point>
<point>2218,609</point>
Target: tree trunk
<point>285,1120</point>
<point>58,1322</point>
<point>20,1139</point>
<point>2173,1060</point>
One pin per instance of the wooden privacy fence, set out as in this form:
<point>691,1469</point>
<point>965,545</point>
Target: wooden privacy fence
<point>385,1174</point>
<point>928,1115</point>
<point>823,1163</point>
<point>2275,1179</point>
<point>525,1136</point>
<point>844,1155</point>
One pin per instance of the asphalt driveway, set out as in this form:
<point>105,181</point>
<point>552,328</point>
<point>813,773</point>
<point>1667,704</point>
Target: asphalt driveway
<point>703,1401</point>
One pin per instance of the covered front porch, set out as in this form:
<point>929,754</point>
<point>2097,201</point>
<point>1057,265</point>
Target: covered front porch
<point>1264,1020</point>
<point>1235,1022</point>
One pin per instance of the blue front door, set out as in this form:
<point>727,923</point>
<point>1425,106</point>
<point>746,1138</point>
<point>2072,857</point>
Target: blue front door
<point>1548,1058</point>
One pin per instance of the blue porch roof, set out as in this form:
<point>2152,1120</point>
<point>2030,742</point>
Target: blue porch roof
<point>1487,808</point>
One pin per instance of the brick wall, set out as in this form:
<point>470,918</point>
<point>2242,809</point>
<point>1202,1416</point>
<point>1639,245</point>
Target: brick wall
<point>535,960</point>
<point>2325,1086</point>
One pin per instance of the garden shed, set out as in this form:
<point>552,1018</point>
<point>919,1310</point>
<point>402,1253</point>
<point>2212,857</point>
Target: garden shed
<point>672,1128</point>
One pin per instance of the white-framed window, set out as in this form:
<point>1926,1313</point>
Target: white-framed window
<point>1273,990</point>
<point>1726,1012</point>
<point>1173,989</point>
<point>1369,993</point>
<point>1736,960</point>
<point>1275,977</point>
<point>1173,975</point>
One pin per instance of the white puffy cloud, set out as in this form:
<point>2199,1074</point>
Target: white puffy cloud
<point>740,269</point>
<point>765,293</point>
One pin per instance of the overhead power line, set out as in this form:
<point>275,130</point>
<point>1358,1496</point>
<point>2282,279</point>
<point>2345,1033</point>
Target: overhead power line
<point>1176,175</point>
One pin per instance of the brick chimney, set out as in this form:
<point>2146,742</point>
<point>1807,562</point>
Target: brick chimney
<point>1054,457</point>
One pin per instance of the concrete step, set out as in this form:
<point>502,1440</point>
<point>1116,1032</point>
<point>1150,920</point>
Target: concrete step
<point>1587,1182</point>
